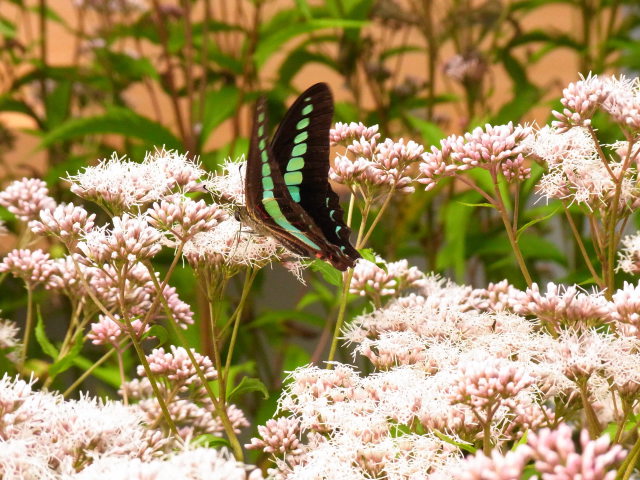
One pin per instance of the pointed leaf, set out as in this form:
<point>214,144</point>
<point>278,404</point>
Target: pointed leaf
<point>67,361</point>
<point>115,120</point>
<point>331,274</point>
<point>43,341</point>
<point>533,222</point>
<point>247,385</point>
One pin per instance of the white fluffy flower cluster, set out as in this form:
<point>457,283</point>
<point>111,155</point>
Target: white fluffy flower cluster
<point>456,361</point>
<point>45,437</point>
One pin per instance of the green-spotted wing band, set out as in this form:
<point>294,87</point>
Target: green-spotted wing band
<point>287,189</point>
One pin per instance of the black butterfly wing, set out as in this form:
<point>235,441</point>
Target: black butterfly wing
<point>270,204</point>
<point>301,148</point>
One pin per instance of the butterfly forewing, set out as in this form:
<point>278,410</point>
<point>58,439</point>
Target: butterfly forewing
<point>286,187</point>
<point>301,148</point>
<point>268,200</point>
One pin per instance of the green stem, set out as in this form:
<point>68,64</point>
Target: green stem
<point>629,463</point>
<point>217,403</point>
<point>583,250</point>
<point>377,218</point>
<point>593,425</point>
<point>90,370</point>
<point>250,275</point>
<point>145,364</point>
<point>341,313</point>
<point>508,225</point>
<point>28,327</point>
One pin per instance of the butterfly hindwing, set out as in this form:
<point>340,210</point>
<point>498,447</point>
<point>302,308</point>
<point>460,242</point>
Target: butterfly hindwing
<point>286,187</point>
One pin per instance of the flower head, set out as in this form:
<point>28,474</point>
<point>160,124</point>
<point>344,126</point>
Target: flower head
<point>121,185</point>
<point>32,266</point>
<point>66,222</point>
<point>26,198</point>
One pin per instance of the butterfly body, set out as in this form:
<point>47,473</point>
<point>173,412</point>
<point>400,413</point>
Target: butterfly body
<point>287,191</point>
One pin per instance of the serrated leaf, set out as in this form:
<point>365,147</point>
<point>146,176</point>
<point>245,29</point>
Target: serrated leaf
<point>247,385</point>
<point>115,120</point>
<point>331,274</point>
<point>67,361</point>
<point>533,222</point>
<point>41,338</point>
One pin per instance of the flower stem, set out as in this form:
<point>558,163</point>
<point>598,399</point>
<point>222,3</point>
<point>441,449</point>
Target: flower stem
<point>248,281</point>
<point>346,283</point>
<point>629,463</point>
<point>218,404</point>
<point>583,250</point>
<point>90,370</point>
<point>28,327</point>
<point>145,364</point>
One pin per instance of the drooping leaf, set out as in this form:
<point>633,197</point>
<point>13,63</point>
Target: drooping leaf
<point>41,338</point>
<point>115,120</point>
<point>67,361</point>
<point>247,385</point>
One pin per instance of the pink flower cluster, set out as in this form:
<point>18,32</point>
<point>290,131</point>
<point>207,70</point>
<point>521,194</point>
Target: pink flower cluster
<point>34,267</point>
<point>26,198</point>
<point>498,149</point>
<point>372,165</point>
<point>618,97</point>
<point>184,393</point>
<point>184,217</point>
<point>454,360</point>
<point>555,455</point>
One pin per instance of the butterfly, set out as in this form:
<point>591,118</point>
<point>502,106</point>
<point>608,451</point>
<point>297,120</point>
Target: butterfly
<point>287,190</point>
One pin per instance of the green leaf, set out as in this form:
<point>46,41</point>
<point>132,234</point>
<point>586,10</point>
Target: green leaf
<point>273,41</point>
<point>58,102</point>
<point>533,222</point>
<point>43,341</point>
<point>275,318</point>
<point>294,356</point>
<point>303,8</point>
<point>462,446</point>
<point>108,375</point>
<point>218,106</point>
<point>331,274</point>
<point>127,66</point>
<point>368,254</point>
<point>7,28</point>
<point>247,385</point>
<point>115,120</point>
<point>429,131</point>
<point>159,332</point>
<point>209,440</point>
<point>455,217</point>
<point>8,104</point>
<point>477,204</point>
<point>67,361</point>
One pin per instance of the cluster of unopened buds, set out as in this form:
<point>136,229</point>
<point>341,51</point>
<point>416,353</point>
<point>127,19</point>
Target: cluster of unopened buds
<point>372,165</point>
<point>498,149</point>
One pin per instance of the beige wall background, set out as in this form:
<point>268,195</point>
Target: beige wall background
<point>554,71</point>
